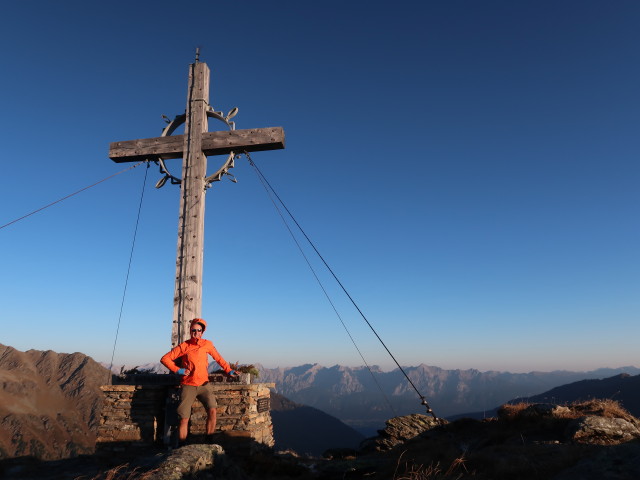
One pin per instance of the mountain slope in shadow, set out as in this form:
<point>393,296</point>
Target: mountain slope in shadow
<point>623,388</point>
<point>308,430</point>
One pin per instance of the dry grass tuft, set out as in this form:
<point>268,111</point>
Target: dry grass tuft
<point>122,472</point>
<point>601,407</point>
<point>512,410</point>
<point>433,471</point>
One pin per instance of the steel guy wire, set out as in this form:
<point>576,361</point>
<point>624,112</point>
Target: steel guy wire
<point>126,281</point>
<point>423,400</point>
<point>68,196</point>
<point>263,180</point>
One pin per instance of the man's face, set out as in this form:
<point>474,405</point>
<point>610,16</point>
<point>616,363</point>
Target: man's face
<point>196,331</point>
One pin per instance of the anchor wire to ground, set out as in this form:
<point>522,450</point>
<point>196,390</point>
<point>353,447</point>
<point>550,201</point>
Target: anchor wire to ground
<point>261,175</point>
<point>126,281</point>
<point>68,196</point>
<point>269,193</point>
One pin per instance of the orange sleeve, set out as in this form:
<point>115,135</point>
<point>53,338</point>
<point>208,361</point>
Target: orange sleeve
<point>218,358</point>
<point>168,359</point>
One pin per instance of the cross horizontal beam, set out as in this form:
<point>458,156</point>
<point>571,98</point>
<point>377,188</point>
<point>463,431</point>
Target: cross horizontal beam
<point>213,143</point>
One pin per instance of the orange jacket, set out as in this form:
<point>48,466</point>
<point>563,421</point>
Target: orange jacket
<point>194,358</point>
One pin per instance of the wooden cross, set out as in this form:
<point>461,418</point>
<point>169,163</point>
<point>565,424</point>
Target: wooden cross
<point>194,146</point>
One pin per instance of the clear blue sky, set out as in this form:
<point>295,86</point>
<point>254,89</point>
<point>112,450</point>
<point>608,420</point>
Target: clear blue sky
<point>469,169</point>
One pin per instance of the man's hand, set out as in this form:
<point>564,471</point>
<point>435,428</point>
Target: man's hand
<point>183,371</point>
<point>233,373</point>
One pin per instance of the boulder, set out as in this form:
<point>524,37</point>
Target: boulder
<point>187,462</point>
<point>399,430</point>
<point>602,430</point>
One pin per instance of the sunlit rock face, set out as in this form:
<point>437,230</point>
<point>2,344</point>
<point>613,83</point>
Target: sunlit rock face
<point>49,403</point>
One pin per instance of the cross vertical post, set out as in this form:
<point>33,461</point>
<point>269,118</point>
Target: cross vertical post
<point>187,300</point>
<point>193,147</point>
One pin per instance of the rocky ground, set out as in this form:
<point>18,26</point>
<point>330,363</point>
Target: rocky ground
<point>587,440</point>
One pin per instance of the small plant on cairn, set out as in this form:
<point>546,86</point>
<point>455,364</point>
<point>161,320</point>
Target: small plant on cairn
<point>245,369</point>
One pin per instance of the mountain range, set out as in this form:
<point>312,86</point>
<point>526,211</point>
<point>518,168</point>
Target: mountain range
<point>50,402</point>
<point>352,395</point>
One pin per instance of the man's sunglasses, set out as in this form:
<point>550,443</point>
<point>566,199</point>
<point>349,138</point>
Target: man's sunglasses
<point>196,330</point>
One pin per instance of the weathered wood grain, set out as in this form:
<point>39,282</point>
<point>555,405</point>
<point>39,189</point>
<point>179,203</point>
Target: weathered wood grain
<point>213,143</point>
<point>251,140</point>
<point>187,300</point>
<point>140,149</point>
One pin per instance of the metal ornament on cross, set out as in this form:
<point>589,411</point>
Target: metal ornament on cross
<point>193,147</point>
<point>171,127</point>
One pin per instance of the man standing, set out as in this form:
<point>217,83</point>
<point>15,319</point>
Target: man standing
<point>195,381</point>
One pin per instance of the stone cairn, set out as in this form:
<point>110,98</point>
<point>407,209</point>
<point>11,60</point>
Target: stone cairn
<point>139,410</point>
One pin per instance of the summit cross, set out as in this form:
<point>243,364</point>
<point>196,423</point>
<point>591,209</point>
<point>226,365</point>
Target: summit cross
<point>194,146</point>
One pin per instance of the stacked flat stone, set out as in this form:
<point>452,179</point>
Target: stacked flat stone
<point>135,414</point>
